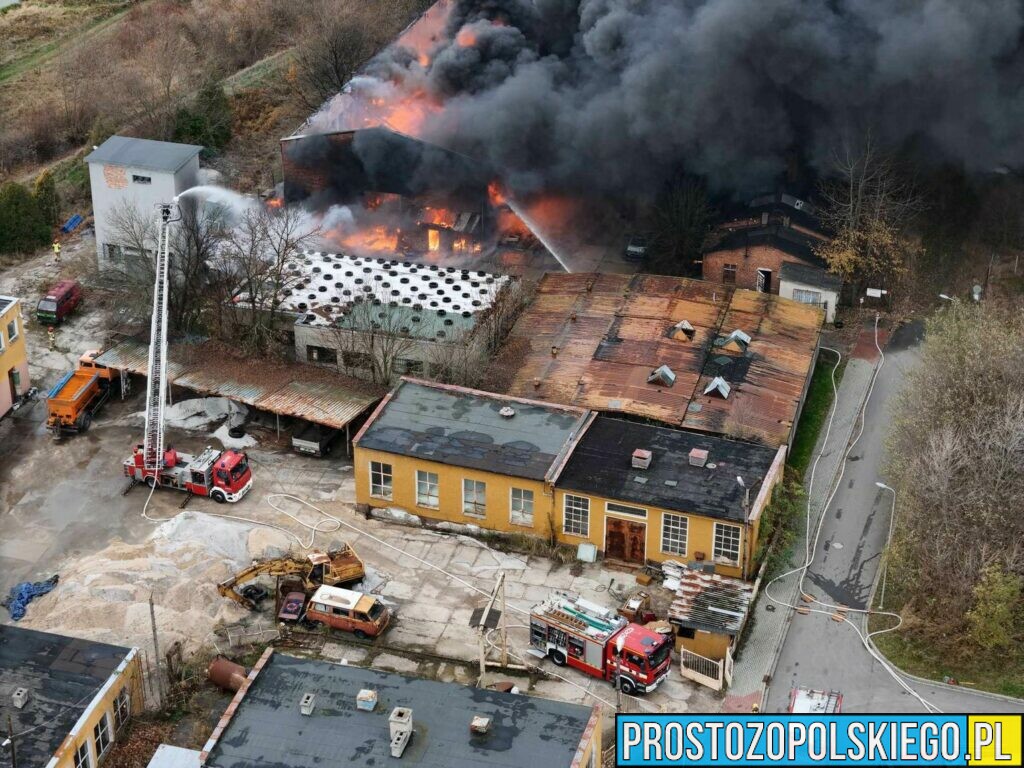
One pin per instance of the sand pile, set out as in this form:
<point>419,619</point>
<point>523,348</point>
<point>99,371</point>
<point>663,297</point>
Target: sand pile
<point>200,411</point>
<point>105,596</point>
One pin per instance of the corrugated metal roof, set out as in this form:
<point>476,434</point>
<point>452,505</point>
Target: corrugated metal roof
<point>143,153</point>
<point>303,391</point>
<point>710,602</point>
<point>594,339</point>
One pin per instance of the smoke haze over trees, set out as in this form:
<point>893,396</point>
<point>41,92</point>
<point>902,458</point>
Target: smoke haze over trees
<point>618,95</point>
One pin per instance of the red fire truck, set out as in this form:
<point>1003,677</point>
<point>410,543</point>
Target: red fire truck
<point>580,634</point>
<point>221,475</point>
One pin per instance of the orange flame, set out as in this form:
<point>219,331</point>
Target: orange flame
<point>494,193</point>
<point>433,240</point>
<point>275,202</point>
<point>466,37</point>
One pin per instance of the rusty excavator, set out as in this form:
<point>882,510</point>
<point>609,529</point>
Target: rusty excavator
<point>334,568</point>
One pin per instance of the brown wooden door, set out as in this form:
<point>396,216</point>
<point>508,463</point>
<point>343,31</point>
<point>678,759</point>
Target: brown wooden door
<point>625,540</point>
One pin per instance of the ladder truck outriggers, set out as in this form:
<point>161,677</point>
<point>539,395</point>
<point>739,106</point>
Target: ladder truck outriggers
<point>583,635</point>
<point>224,476</point>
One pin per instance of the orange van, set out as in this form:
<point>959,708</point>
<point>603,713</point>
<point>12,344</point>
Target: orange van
<point>362,615</point>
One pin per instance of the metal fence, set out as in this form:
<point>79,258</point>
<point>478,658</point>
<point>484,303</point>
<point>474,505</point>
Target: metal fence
<point>701,669</point>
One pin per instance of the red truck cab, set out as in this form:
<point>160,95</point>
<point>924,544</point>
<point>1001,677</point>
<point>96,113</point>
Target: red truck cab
<point>224,476</point>
<point>595,640</point>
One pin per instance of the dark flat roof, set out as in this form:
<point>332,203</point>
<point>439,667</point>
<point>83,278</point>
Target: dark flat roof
<point>601,465</point>
<point>62,674</point>
<point>775,236</point>
<point>268,730</point>
<point>808,275</point>
<point>464,428</point>
<point>143,153</point>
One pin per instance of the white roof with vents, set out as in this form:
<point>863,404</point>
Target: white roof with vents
<point>323,286</point>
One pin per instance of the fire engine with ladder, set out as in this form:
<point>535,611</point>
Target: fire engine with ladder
<point>224,476</point>
<point>575,632</point>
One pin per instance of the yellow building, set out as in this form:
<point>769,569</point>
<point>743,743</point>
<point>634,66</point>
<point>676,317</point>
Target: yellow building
<point>637,493</point>
<point>14,380</point>
<point>68,700</point>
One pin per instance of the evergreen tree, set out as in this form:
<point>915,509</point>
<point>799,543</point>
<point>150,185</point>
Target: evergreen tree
<point>45,194</point>
<point>23,226</point>
<point>207,121</point>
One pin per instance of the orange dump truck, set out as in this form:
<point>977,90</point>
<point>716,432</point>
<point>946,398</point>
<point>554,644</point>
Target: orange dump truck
<point>75,399</point>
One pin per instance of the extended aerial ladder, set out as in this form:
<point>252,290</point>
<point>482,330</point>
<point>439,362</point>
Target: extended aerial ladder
<point>156,387</point>
<point>224,476</point>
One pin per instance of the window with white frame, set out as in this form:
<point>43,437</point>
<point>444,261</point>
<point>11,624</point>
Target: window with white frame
<point>622,509</point>
<point>101,735</point>
<point>474,497</point>
<point>122,709</point>
<point>522,506</point>
<point>576,515</point>
<point>727,543</point>
<point>83,759</point>
<point>806,297</point>
<point>673,534</point>
<point>2,346</point>
<point>380,480</point>
<point>427,485</point>
<point>12,330</point>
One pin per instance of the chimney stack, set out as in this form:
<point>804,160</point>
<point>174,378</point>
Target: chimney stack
<point>698,457</point>
<point>400,724</point>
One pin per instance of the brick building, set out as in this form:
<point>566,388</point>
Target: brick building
<point>753,258</point>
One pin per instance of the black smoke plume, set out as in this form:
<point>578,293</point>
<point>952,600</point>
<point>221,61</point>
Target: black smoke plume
<point>606,96</point>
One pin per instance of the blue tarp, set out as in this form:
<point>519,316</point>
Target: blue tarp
<point>24,593</point>
<point>72,223</point>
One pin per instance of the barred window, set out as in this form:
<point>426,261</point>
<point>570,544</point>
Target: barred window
<point>122,709</point>
<point>806,297</point>
<point>577,515</point>
<point>522,506</point>
<point>622,509</point>
<point>673,534</point>
<point>380,480</point>
<point>427,489</point>
<point>727,543</point>
<point>729,273</point>
<point>474,498</point>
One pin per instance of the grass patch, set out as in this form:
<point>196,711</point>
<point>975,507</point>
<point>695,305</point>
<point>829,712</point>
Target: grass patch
<point>815,412</point>
<point>916,656</point>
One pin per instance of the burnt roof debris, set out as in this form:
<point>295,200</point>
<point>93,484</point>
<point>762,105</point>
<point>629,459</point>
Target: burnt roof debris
<point>468,428</point>
<point>612,331</point>
<point>268,729</point>
<point>62,675</point>
<point>710,602</point>
<point>602,464</point>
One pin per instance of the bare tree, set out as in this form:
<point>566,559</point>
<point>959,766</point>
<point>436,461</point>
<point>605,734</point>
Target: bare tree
<point>679,226</point>
<point>334,47</point>
<point>868,203</point>
<point>957,447</point>
<point>257,255</point>
<point>375,337</point>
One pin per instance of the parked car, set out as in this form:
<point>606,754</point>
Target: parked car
<point>636,248</point>
<point>363,615</point>
<point>314,439</point>
<point>59,302</point>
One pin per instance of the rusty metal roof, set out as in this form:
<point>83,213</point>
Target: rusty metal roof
<point>710,602</point>
<point>303,391</point>
<point>593,340</point>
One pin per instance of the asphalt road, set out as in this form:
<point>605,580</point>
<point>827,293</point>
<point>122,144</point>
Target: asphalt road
<point>819,652</point>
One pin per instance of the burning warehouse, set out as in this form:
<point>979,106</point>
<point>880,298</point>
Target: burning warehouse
<point>386,192</point>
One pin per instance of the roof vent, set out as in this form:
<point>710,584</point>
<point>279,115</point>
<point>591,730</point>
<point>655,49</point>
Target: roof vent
<point>698,457</point>
<point>641,458</point>
<point>683,329</point>
<point>718,386</point>
<point>307,703</point>
<point>507,412</point>
<point>20,698</point>
<point>366,700</point>
<point>400,724</point>
<point>480,724</point>
<point>662,375</point>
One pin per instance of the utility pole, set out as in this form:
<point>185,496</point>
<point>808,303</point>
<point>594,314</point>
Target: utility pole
<point>156,650</point>
<point>481,627</point>
<point>10,742</point>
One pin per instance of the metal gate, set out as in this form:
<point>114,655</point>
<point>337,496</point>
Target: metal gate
<point>701,669</point>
